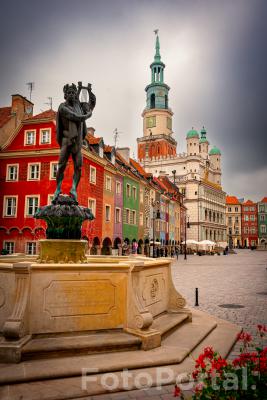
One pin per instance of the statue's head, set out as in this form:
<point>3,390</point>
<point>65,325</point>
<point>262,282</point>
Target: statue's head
<point>70,92</point>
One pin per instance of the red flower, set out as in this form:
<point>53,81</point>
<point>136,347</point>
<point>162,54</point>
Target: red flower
<point>244,337</point>
<point>208,352</point>
<point>195,374</point>
<point>177,391</point>
<point>198,388</point>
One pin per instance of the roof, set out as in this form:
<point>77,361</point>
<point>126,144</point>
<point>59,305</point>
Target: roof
<point>48,114</point>
<point>232,200</point>
<point>93,140</point>
<point>5,115</point>
<point>264,200</point>
<point>249,202</point>
<point>215,151</point>
<point>192,134</point>
<point>107,148</point>
<point>138,167</point>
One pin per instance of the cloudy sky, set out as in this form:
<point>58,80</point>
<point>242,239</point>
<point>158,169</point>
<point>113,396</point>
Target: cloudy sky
<point>216,65</point>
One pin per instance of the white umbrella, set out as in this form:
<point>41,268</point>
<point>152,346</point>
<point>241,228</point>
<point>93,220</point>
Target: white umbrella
<point>207,243</point>
<point>190,241</point>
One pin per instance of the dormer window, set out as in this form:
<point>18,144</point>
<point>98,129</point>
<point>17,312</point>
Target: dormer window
<point>101,150</point>
<point>45,136</point>
<point>30,137</point>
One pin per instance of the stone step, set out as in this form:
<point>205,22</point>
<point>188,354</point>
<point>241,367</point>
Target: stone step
<point>165,323</point>
<point>222,338</point>
<point>174,349</point>
<point>83,343</point>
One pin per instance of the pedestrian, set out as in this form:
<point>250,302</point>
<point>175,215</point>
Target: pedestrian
<point>177,252</point>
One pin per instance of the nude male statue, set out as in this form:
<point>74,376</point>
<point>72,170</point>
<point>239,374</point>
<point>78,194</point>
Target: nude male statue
<point>71,131</point>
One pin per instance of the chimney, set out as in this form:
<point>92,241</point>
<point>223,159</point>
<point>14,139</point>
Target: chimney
<point>124,152</point>
<point>91,131</point>
<point>21,107</point>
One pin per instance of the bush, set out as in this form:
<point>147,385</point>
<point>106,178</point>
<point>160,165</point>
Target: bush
<point>245,378</point>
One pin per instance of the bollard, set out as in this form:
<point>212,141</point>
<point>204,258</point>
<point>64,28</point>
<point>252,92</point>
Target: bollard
<point>196,302</point>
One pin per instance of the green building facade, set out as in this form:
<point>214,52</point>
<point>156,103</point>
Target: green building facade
<point>131,192</point>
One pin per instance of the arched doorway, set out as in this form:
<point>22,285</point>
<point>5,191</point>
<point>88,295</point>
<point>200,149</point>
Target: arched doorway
<point>117,246</point>
<point>95,246</point>
<point>106,247</point>
<point>140,246</point>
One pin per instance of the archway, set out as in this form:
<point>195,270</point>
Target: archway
<point>106,247</point>
<point>140,246</point>
<point>152,100</point>
<point>95,246</point>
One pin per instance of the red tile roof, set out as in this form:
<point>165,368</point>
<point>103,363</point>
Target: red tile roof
<point>138,167</point>
<point>232,200</point>
<point>92,139</point>
<point>249,202</point>
<point>107,148</point>
<point>48,114</point>
<point>264,200</point>
<point>5,115</point>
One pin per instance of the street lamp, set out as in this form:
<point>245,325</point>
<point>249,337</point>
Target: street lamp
<point>186,225</point>
<point>174,172</point>
<point>156,216</point>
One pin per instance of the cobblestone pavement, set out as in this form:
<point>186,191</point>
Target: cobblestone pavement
<point>239,278</point>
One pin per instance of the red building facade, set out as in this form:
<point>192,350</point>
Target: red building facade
<point>249,224</point>
<point>28,165</point>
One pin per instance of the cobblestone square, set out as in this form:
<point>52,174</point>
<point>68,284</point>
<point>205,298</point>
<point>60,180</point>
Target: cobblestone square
<point>239,279</point>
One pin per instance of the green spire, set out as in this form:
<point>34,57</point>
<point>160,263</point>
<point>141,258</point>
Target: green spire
<point>157,56</point>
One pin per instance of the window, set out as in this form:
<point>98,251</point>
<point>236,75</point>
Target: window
<point>31,248</point>
<point>50,198</point>
<point>45,136</point>
<point>263,228</point>
<point>262,209</point>
<point>141,219</point>
<point>134,217</point>
<point>128,190</point>
<point>230,220</point>
<point>53,170</point>
<point>252,209</point>
<point>252,230</point>
<point>246,229</point>
<point>262,217</point>
<point>169,123</point>
<point>141,195</point>
<point>32,203</point>
<point>9,247</point>
<point>10,206</point>
<point>29,138</point>
<point>151,121</point>
<point>246,217</point>
<point>147,222</point>
<point>107,213</point>
<point>252,218</point>
<point>92,177</point>
<point>92,205</point>
<point>117,215</point>
<point>134,192</point>
<point>118,187</point>
<point>229,209</point>
<point>127,216</point>
<point>236,219</point>
<point>246,208</point>
<point>108,183</point>
<point>236,209</point>
<point>33,172</point>
<point>12,172</point>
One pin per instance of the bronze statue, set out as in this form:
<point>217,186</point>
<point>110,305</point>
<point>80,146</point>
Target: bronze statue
<point>71,131</point>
